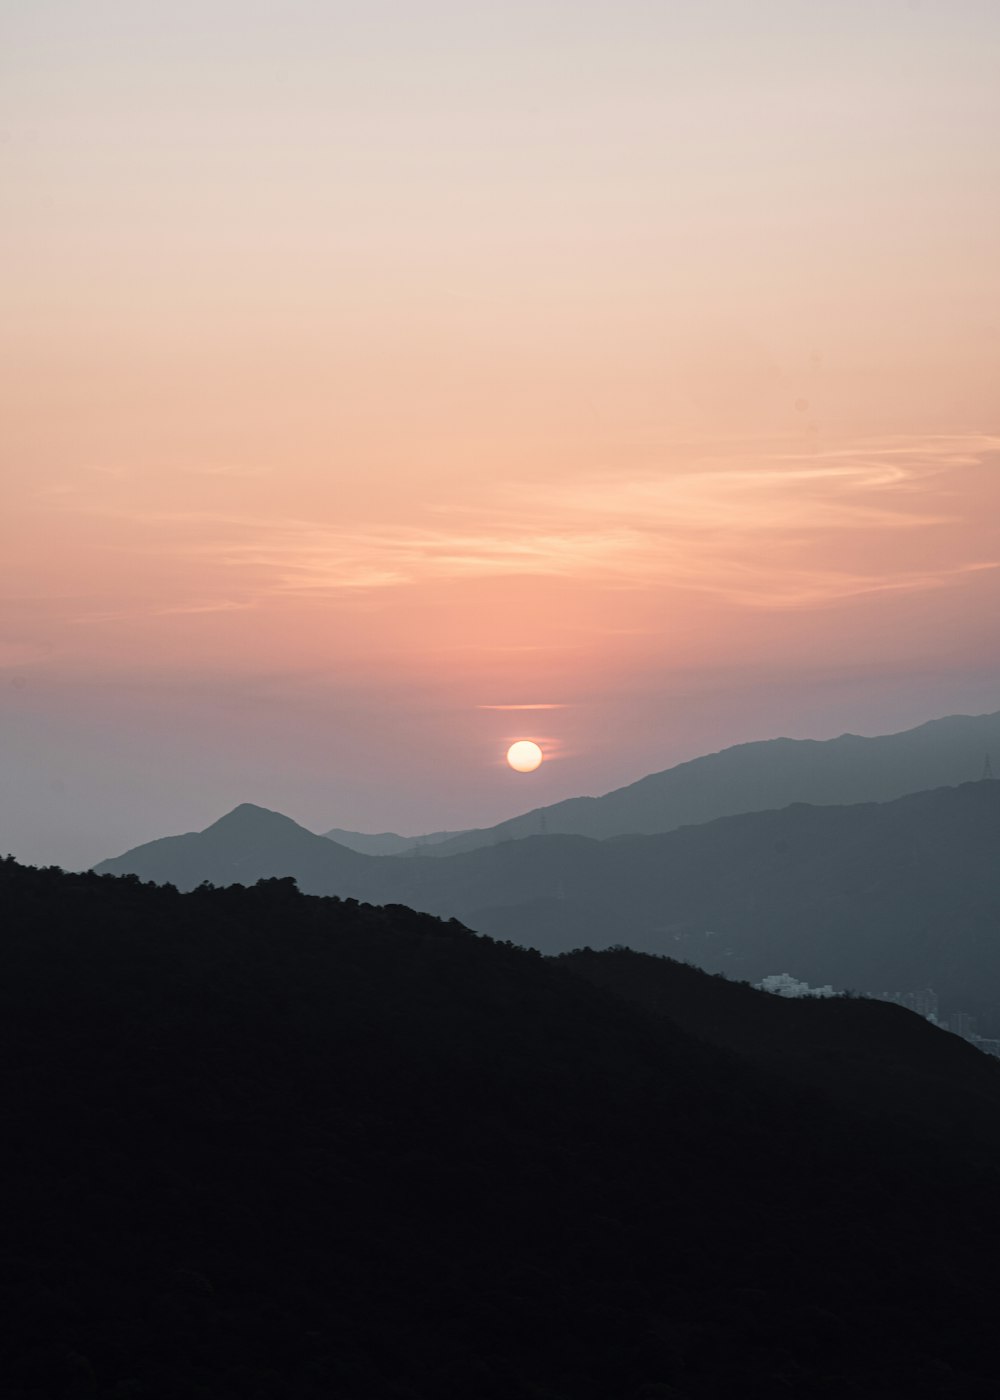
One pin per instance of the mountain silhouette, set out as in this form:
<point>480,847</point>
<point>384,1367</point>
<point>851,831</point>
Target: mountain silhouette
<point>759,776</point>
<point>868,1053</point>
<point>888,896</point>
<point>247,844</point>
<point>264,1144</point>
<point>386,843</point>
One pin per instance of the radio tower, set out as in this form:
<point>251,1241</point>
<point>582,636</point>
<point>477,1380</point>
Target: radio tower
<point>987,769</point>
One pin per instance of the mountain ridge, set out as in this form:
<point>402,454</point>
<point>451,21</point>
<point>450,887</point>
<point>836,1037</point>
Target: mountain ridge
<point>745,777</point>
<point>386,843</point>
<point>878,896</point>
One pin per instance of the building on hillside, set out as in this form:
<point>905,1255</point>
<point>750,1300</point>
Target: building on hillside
<point>925,1002</point>
<point>961,1023</point>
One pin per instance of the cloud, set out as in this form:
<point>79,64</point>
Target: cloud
<point>221,605</point>
<point>546,706</point>
<point>752,526</point>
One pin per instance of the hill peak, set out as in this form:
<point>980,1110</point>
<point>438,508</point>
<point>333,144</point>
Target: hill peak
<point>248,819</point>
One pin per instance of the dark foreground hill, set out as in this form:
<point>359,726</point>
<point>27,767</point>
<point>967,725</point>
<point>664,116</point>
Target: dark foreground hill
<point>264,1145</point>
<point>863,1052</point>
<point>756,776</point>
<point>880,897</point>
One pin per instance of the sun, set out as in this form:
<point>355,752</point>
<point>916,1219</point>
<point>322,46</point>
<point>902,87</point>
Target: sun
<point>524,756</point>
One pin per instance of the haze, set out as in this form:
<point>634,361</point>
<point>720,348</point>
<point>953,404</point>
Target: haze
<point>369,370</point>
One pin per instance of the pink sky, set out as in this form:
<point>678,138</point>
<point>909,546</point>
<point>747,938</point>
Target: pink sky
<point>368,372</point>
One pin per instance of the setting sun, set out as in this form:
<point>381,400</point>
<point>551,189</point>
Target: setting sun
<point>524,756</point>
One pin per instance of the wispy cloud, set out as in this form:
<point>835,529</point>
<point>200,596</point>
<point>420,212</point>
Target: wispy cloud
<point>758,527</point>
<point>136,613</point>
<point>546,706</point>
<point>222,605</point>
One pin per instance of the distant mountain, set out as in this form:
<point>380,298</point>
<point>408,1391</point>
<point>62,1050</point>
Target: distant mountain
<point>247,844</point>
<point>386,843</point>
<point>879,897</point>
<point>759,776</point>
<point>894,896</point>
<point>260,1144</point>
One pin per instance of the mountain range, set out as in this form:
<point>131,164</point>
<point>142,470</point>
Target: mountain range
<point>745,778</point>
<point>387,843</point>
<point>879,896</point>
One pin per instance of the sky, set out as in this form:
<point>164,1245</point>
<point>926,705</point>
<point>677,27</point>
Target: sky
<point>384,382</point>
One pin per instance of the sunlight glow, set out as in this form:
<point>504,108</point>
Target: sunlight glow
<point>524,756</point>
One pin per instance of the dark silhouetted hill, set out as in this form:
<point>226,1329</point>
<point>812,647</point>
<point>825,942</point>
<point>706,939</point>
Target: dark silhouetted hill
<point>879,897</point>
<point>258,1144</point>
<point>873,1055</point>
<point>758,776</point>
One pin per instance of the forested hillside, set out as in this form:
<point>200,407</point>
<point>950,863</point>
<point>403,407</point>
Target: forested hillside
<point>263,1144</point>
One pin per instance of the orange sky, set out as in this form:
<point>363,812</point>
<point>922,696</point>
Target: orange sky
<point>369,367</point>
